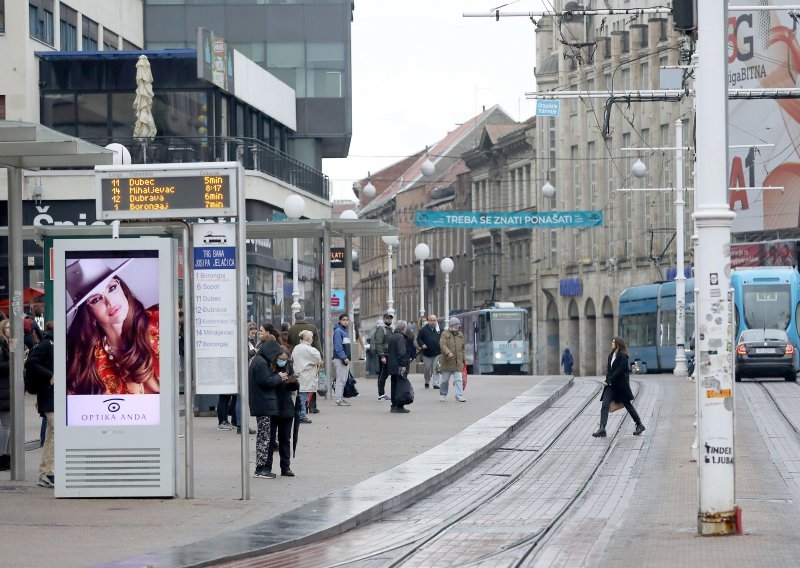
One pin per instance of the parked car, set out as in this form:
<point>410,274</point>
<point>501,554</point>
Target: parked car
<point>766,353</point>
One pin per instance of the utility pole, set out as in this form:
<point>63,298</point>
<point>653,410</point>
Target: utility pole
<point>717,511</point>
<point>681,369</point>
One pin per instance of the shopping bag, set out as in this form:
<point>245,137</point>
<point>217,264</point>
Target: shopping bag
<point>404,392</point>
<point>616,406</point>
<point>322,383</point>
<point>464,377</point>
<point>350,389</point>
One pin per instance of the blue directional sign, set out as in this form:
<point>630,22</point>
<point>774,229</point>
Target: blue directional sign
<point>522,220</point>
<point>548,107</point>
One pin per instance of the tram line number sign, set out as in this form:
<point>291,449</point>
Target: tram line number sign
<point>166,191</point>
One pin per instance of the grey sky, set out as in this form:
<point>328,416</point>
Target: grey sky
<point>420,68</point>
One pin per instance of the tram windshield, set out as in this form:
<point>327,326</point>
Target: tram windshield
<point>767,306</point>
<point>507,327</point>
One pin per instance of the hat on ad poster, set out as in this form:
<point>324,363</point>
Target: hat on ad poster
<point>88,276</point>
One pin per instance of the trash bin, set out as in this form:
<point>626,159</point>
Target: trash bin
<point>205,404</point>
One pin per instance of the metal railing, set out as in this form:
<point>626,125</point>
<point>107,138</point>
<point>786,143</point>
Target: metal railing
<point>252,153</point>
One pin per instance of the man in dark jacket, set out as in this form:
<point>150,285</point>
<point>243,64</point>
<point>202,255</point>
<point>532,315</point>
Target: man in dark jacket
<point>381,340</point>
<point>397,362</point>
<point>428,342</point>
<point>271,403</point>
<point>300,324</point>
<point>39,370</point>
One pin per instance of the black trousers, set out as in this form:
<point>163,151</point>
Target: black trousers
<point>280,428</point>
<point>608,396</point>
<point>383,374</point>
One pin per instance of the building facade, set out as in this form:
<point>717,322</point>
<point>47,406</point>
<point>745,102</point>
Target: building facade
<point>580,153</point>
<point>404,188</point>
<point>306,44</point>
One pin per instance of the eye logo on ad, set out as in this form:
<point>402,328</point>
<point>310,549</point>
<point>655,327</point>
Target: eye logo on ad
<point>113,404</point>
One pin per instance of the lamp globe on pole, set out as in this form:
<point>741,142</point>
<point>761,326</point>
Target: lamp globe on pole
<point>294,206</point>
<point>348,214</point>
<point>447,265</point>
<point>548,190</point>
<point>391,241</point>
<point>369,189</point>
<point>639,169</point>
<point>422,252</point>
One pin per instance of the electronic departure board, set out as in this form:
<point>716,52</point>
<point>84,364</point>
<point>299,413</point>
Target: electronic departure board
<point>160,191</point>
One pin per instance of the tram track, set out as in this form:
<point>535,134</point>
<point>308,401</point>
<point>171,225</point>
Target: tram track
<point>519,496</point>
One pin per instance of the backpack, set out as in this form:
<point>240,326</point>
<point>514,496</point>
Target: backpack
<point>27,325</point>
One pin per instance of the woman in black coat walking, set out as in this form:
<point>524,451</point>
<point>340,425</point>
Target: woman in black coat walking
<point>617,387</point>
<point>271,403</point>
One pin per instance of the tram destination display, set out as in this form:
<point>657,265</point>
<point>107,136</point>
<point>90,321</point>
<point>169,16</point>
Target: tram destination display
<point>166,192</point>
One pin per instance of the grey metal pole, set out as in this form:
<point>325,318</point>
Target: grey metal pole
<point>714,367</point>
<point>421,288</point>
<point>241,308</point>
<point>17,344</point>
<point>188,360</point>
<point>680,279</point>
<point>348,290</point>
<point>327,337</point>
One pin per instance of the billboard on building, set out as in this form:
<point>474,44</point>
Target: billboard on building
<point>764,135</point>
<point>772,253</point>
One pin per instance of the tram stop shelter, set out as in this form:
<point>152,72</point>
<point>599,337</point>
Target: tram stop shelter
<point>324,229</point>
<point>29,146</point>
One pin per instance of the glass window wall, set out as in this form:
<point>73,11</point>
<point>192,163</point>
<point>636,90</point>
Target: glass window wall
<point>92,115</point>
<point>58,112</point>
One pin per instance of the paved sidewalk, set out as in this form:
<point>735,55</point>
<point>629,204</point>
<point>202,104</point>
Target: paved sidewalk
<point>342,447</point>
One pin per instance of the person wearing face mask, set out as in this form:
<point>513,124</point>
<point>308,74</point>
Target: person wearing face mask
<point>271,388</point>
<point>306,361</point>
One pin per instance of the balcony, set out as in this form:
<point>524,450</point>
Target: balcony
<point>254,155</point>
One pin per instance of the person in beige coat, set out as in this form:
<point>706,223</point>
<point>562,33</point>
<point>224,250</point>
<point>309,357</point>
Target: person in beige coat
<point>451,343</point>
<point>306,362</point>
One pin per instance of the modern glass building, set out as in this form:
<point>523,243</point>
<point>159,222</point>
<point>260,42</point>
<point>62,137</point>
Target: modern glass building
<point>305,43</point>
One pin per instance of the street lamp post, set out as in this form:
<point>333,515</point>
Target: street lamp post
<point>422,252</point>
<point>447,266</point>
<point>294,207</point>
<point>639,170</point>
<point>391,241</point>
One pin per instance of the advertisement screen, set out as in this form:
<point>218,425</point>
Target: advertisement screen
<point>112,337</point>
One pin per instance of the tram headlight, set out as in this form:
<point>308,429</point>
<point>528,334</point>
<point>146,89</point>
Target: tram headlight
<point>519,355</point>
<point>498,355</point>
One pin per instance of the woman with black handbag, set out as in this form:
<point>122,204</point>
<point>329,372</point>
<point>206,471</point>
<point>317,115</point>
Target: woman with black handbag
<point>617,387</point>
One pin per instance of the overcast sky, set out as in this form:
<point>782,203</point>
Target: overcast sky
<point>420,69</point>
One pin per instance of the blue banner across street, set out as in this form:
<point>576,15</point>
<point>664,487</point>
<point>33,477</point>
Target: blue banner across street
<point>522,220</point>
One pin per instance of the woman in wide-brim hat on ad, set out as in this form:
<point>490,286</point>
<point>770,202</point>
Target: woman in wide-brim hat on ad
<point>112,338</point>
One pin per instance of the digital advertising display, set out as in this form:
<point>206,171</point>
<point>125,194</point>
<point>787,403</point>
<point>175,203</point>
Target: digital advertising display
<point>115,366</point>
<point>112,340</point>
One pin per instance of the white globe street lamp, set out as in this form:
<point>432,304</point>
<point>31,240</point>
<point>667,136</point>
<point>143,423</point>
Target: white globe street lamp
<point>422,252</point>
<point>639,169</point>
<point>369,189</point>
<point>348,214</point>
<point>294,206</point>
<point>391,242</point>
<point>548,190</point>
<point>447,265</point>
<point>428,167</point>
